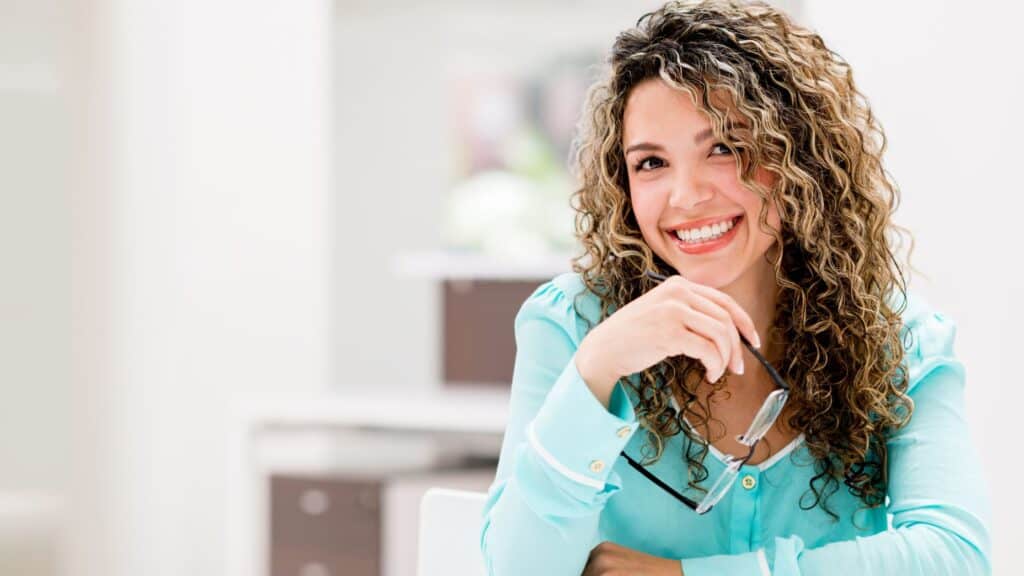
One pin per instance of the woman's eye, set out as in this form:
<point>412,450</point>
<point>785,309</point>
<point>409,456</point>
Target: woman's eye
<point>723,147</point>
<point>644,164</point>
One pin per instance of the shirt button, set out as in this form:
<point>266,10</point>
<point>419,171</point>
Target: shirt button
<point>596,466</point>
<point>624,431</point>
<point>749,482</point>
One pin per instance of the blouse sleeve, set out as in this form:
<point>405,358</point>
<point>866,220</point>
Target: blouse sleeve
<point>555,471</point>
<point>938,495</point>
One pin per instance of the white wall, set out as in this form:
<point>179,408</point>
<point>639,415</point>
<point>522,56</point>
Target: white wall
<point>35,355</point>
<point>34,247</point>
<point>201,261</point>
<point>944,78</point>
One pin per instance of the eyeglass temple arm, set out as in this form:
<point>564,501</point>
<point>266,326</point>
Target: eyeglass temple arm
<point>639,468</point>
<point>767,366</point>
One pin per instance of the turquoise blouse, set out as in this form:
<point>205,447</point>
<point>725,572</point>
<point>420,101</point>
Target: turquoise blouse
<point>561,486</point>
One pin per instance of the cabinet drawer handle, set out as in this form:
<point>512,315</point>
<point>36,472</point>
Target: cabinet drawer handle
<point>314,569</point>
<point>314,502</point>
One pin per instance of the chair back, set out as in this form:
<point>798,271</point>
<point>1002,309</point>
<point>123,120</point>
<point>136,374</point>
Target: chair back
<point>449,542</point>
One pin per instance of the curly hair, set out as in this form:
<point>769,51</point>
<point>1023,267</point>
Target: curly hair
<point>836,270</point>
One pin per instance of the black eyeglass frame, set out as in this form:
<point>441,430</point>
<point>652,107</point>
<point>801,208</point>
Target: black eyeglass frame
<point>774,376</point>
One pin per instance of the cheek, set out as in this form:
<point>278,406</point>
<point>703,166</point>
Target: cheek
<point>646,212</point>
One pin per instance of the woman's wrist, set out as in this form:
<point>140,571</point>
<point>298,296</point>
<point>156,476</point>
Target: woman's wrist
<point>600,379</point>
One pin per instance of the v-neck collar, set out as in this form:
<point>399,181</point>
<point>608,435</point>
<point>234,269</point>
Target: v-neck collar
<point>723,458</point>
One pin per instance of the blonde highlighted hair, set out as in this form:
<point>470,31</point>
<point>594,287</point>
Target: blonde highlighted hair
<point>836,271</point>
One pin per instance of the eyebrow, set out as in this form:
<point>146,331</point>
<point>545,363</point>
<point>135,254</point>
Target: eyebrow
<point>700,137</point>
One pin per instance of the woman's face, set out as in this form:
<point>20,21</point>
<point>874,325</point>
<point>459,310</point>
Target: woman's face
<point>681,178</point>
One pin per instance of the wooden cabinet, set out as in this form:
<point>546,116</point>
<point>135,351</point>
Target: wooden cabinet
<point>361,525</point>
<point>480,297</point>
<point>479,341</point>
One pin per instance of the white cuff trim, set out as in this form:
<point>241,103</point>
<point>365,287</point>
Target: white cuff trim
<point>763,563</point>
<point>558,466</point>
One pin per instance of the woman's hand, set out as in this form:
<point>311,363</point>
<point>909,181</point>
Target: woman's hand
<point>675,317</point>
<point>610,559</point>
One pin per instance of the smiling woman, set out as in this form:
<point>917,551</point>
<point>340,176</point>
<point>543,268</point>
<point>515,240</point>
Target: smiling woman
<point>730,151</point>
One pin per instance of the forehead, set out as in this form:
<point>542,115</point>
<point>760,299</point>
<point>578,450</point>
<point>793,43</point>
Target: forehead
<point>654,111</point>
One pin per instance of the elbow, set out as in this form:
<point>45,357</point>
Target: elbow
<point>964,551</point>
<point>948,539</point>
<point>972,558</point>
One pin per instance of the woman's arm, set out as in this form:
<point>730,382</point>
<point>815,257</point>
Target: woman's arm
<point>555,470</point>
<point>938,493</point>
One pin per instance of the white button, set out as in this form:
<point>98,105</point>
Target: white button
<point>624,431</point>
<point>749,482</point>
<point>596,466</point>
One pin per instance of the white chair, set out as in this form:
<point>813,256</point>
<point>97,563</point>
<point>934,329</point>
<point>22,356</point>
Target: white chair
<point>450,522</point>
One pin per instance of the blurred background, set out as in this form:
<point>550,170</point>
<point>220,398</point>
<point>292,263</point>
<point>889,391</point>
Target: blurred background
<point>259,261</point>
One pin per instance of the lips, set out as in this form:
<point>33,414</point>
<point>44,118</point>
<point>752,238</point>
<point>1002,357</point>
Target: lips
<point>706,246</point>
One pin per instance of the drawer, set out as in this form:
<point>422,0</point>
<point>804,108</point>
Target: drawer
<point>325,527</point>
<point>313,561</point>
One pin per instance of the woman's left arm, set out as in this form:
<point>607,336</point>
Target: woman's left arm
<point>938,494</point>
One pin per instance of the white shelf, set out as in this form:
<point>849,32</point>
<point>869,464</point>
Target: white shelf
<point>469,411</point>
<point>451,265</point>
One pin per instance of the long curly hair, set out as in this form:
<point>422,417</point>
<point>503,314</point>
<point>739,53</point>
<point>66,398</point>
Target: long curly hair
<point>837,314</point>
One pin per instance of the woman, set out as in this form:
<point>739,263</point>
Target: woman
<point>733,200</point>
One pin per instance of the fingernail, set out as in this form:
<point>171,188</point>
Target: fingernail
<point>740,371</point>
<point>757,341</point>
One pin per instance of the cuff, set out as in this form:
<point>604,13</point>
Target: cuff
<point>575,435</point>
<point>745,563</point>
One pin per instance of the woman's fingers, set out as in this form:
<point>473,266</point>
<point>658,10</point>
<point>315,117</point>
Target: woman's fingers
<point>722,316</point>
<point>717,317</point>
<point>740,317</point>
<point>699,347</point>
<point>713,330</point>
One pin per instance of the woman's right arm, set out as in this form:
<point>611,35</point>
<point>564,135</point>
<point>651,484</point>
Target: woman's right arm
<point>555,471</point>
<point>565,432</point>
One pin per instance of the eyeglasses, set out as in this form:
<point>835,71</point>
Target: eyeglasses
<point>762,423</point>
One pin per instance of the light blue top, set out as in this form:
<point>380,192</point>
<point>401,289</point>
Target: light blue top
<point>561,486</point>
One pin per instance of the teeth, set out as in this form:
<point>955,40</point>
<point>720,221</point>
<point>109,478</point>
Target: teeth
<point>705,233</point>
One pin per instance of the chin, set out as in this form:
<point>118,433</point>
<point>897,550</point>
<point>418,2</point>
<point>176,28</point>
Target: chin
<point>711,276</point>
<point>718,282</point>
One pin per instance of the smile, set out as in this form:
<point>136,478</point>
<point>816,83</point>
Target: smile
<point>706,238</point>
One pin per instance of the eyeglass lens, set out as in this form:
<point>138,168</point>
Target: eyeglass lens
<point>765,417</point>
<point>721,487</point>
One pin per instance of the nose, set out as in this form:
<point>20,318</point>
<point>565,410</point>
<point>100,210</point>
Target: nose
<point>688,191</point>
